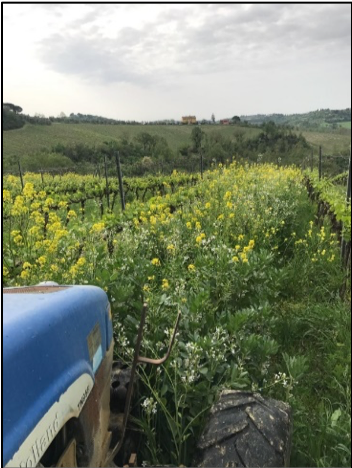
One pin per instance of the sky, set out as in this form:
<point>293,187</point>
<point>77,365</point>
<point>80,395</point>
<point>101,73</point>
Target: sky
<point>148,62</point>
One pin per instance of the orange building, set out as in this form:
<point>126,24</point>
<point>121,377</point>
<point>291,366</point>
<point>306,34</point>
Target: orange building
<point>189,119</point>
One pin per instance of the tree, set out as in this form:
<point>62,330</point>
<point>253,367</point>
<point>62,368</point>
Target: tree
<point>213,118</point>
<point>235,119</point>
<point>10,119</point>
<point>197,136</point>
<point>12,107</point>
<point>147,140</point>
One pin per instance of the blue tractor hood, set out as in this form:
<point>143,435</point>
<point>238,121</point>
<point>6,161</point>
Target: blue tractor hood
<point>51,337</point>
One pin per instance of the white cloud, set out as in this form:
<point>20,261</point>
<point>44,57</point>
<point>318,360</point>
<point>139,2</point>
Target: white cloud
<point>209,55</point>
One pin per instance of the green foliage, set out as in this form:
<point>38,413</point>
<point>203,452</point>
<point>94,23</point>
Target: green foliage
<point>327,191</point>
<point>12,107</point>
<point>320,119</point>
<point>197,136</point>
<point>238,253</point>
<point>11,120</point>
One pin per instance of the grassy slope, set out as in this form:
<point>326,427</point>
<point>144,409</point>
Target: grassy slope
<point>33,138</point>
<point>331,142</point>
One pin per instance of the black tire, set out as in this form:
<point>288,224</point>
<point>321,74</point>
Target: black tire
<point>246,430</point>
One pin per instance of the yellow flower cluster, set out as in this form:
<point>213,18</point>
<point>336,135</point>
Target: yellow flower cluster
<point>200,238</point>
<point>97,227</point>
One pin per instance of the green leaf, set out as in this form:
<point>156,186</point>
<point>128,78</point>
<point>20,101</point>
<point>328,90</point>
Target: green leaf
<point>204,370</point>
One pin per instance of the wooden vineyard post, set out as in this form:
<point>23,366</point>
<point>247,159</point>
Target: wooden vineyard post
<point>119,175</point>
<point>21,177</point>
<point>107,183</point>
<point>201,163</point>
<point>320,163</point>
<point>344,245</point>
<point>311,162</point>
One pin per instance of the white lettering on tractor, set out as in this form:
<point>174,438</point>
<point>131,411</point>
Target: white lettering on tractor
<point>83,398</point>
<point>42,443</point>
<point>69,405</point>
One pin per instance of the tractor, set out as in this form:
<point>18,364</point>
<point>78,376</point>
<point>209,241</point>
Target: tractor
<point>66,402</point>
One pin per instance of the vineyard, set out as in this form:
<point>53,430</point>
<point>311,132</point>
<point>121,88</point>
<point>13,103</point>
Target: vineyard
<point>251,257</point>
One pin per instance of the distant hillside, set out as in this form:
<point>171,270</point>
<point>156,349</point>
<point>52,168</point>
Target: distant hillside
<point>32,139</point>
<point>322,119</point>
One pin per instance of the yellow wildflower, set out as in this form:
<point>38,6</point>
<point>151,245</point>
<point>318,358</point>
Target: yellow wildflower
<point>165,284</point>
<point>25,274</point>
<point>72,214</point>
<point>42,260</point>
<point>6,195</point>
<point>97,227</point>
<point>81,261</point>
<point>28,190</point>
<point>191,267</point>
<point>18,239</point>
<point>156,262</point>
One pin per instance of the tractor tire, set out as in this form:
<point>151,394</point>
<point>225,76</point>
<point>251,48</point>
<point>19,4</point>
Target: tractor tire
<point>246,430</point>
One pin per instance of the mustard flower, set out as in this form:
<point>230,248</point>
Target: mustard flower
<point>81,261</point>
<point>25,274</point>
<point>41,260</point>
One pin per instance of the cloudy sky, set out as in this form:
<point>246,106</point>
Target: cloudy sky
<point>158,61</point>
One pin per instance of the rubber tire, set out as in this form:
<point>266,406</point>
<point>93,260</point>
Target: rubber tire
<point>246,430</point>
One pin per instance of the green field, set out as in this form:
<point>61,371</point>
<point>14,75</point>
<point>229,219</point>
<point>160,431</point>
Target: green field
<point>331,142</point>
<point>33,138</point>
